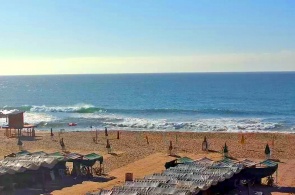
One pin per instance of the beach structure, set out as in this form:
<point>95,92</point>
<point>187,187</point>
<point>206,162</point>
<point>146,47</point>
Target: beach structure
<point>25,169</point>
<point>15,124</point>
<point>195,177</point>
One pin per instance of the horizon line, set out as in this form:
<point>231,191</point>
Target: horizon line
<point>134,73</point>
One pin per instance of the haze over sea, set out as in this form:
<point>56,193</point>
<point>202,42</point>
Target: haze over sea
<point>182,102</point>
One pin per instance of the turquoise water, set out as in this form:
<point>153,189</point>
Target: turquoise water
<point>183,102</point>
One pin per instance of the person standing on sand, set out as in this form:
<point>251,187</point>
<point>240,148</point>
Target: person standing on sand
<point>108,146</point>
<point>20,144</point>
<point>106,132</point>
<point>51,134</point>
<point>62,144</point>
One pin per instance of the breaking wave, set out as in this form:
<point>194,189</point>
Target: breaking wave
<point>88,108</point>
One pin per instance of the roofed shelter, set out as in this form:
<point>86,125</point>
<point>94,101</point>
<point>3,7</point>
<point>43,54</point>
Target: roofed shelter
<point>15,121</point>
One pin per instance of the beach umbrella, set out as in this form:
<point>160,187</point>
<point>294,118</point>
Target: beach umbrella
<point>118,134</point>
<point>147,140</point>
<point>225,150</point>
<point>267,151</point>
<point>205,144</point>
<point>106,132</point>
<point>170,147</point>
<point>243,140</point>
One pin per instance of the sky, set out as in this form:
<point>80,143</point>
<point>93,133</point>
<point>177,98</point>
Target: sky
<point>111,36</point>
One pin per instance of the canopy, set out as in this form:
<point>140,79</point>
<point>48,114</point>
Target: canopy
<point>93,156</point>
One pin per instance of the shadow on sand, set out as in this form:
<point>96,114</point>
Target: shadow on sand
<point>59,184</point>
<point>28,138</point>
<point>265,190</point>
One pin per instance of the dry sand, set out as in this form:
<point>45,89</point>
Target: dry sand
<point>133,154</point>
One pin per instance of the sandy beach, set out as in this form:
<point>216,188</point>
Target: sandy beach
<point>132,153</point>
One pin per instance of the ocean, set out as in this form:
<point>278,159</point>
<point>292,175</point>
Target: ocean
<point>157,102</point>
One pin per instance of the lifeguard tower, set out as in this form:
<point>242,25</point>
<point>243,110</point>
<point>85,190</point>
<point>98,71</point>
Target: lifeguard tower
<point>15,120</point>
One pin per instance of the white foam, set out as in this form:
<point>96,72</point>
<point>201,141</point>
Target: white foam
<point>73,108</point>
<point>224,124</point>
<point>36,118</point>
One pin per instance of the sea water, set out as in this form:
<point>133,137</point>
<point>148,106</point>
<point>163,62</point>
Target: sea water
<point>157,102</point>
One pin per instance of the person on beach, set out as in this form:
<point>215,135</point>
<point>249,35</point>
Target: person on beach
<point>51,134</point>
<point>106,132</point>
<point>20,144</point>
<point>108,147</point>
<point>62,144</point>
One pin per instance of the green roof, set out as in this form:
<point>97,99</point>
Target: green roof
<point>55,154</point>
<point>59,155</point>
<point>227,161</point>
<point>269,163</point>
<point>185,160</point>
<point>93,156</point>
<point>23,152</point>
<point>41,153</point>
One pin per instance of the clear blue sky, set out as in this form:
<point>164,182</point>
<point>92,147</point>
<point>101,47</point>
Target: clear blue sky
<point>49,36</point>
